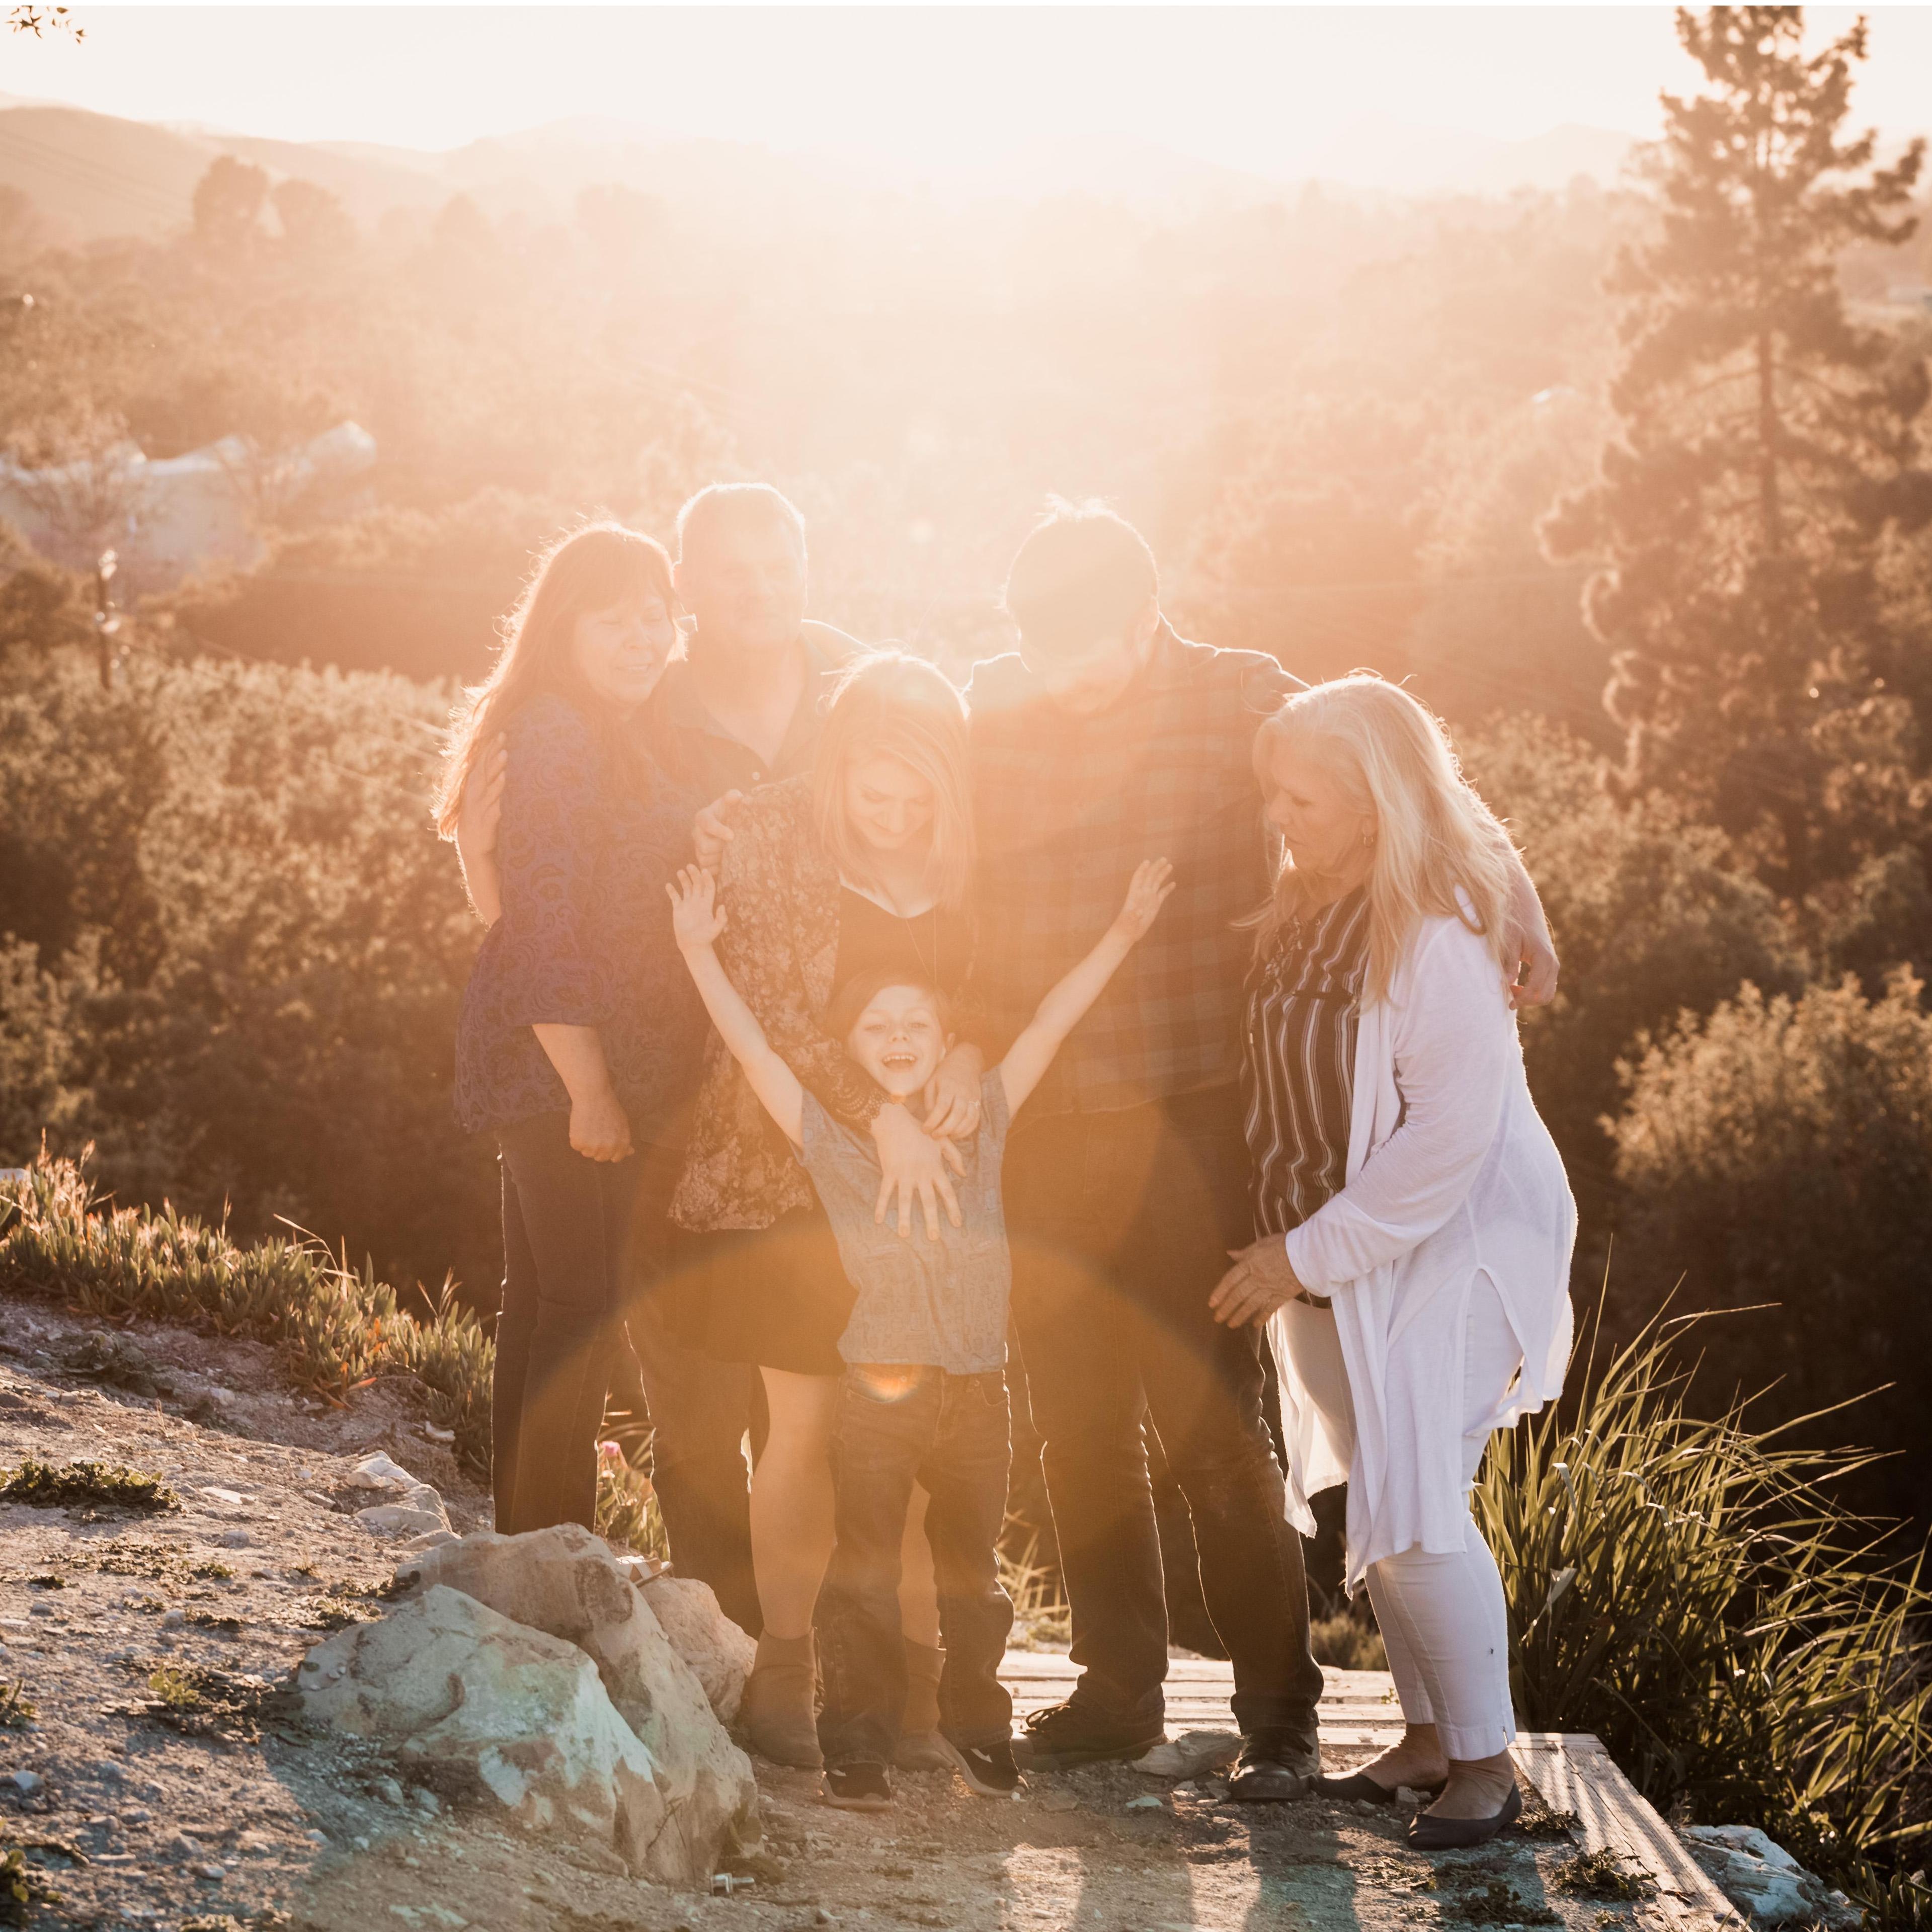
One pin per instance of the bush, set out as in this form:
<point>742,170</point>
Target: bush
<point>1653,914</point>
<point>232,952</point>
<point>1689,1591</point>
<point>393,589</point>
<point>332,1329</point>
<point>1780,1153</point>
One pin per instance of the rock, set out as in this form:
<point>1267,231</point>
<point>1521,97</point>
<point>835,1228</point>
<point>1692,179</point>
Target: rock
<point>1147,1801</point>
<point>388,1790</point>
<point>1191,1753</point>
<point>236,1539</point>
<point>27,1783</point>
<point>565,1582</point>
<point>522,1713</point>
<point>711,1644</point>
<point>173,1619</point>
<point>414,1509</point>
<point>404,1518</point>
<point>1760,1877</point>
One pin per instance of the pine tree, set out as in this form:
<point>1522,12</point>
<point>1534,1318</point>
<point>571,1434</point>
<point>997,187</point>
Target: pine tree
<point>1766,446</point>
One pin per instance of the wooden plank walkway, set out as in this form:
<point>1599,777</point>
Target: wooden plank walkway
<point>1359,1712</point>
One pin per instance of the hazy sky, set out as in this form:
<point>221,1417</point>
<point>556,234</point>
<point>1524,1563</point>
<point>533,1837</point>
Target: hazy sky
<point>1281,91</point>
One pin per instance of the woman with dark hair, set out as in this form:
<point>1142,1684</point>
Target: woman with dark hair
<point>579,1037</point>
<point>862,864</point>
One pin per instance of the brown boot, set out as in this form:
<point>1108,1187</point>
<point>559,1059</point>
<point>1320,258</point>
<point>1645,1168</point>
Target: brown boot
<point>779,1715</point>
<point>921,1747</point>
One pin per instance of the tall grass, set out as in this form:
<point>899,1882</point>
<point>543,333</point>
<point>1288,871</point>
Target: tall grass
<point>334,1328</point>
<point>1686,1588</point>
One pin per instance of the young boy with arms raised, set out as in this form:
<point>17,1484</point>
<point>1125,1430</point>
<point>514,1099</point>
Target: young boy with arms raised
<point>924,1395</point>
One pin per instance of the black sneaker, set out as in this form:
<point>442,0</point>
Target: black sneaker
<point>1066,1735</point>
<point>859,1787</point>
<point>1274,1766</point>
<point>989,1769</point>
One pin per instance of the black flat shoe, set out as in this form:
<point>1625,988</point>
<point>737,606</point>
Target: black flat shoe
<point>1064,1736</point>
<point>1360,1784</point>
<point>1429,1833</point>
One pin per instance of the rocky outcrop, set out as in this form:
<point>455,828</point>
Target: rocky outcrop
<point>719,1653</point>
<point>1760,1877</point>
<point>476,1701</point>
<point>565,1581</point>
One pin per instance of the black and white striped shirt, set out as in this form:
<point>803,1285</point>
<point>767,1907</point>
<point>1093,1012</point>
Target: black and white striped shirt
<point>1298,1058</point>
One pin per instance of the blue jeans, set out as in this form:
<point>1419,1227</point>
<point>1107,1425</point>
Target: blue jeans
<point>897,1423</point>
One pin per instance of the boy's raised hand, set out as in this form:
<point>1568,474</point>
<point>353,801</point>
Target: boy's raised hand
<point>1146,892</point>
<point>696,919</point>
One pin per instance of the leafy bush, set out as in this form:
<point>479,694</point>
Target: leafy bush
<point>237,950</point>
<point>1689,1590</point>
<point>334,1329</point>
<point>1653,912</point>
<point>1780,1152</point>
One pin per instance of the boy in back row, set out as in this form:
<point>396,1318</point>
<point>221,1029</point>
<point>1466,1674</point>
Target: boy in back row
<point>924,1397</point>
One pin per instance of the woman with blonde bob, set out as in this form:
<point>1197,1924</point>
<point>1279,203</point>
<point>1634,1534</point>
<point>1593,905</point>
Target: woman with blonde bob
<point>1413,1223</point>
<point>859,868</point>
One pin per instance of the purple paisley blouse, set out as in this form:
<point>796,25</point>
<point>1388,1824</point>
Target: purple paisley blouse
<point>585,939</point>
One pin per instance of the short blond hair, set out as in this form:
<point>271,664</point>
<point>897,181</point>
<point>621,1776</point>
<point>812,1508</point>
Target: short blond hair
<point>890,704</point>
<point>1439,848</point>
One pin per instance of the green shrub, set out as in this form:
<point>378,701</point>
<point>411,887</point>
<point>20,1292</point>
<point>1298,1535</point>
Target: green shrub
<point>1688,1589</point>
<point>84,1486</point>
<point>334,1329</point>
<point>237,952</point>
<point>1780,1152</point>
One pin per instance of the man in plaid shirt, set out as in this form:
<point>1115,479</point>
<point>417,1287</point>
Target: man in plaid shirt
<point>1106,740</point>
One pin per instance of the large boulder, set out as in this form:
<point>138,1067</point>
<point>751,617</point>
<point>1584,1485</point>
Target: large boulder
<point>565,1582</point>
<point>717,1651</point>
<point>522,1715</point>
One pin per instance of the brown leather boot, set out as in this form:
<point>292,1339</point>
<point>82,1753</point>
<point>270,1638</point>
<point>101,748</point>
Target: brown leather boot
<point>921,1748</point>
<point>779,1715</point>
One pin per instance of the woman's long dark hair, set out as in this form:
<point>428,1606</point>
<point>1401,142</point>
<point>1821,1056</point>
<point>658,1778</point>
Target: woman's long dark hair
<point>589,568</point>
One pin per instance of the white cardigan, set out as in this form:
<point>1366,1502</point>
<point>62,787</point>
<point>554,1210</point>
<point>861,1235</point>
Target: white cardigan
<point>1451,1175</point>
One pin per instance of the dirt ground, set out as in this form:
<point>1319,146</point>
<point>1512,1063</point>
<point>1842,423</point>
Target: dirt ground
<point>229,1811</point>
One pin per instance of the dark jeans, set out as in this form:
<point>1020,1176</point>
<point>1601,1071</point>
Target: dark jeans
<point>700,1409</point>
<point>569,1224</point>
<point>896,1424</point>
<point>1120,1226</point>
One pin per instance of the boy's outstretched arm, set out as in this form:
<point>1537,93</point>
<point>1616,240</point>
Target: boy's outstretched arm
<point>696,919</point>
<point>1065,1006</point>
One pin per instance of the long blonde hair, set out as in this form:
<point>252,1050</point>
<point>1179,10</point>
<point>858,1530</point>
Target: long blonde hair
<point>891,704</point>
<point>1439,848</point>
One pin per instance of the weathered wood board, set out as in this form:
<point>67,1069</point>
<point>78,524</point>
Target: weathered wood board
<point>1571,1772</point>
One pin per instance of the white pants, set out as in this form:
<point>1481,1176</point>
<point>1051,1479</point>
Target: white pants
<point>1442,1617</point>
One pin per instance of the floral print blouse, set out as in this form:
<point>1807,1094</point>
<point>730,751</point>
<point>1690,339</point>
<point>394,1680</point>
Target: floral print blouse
<point>584,853</point>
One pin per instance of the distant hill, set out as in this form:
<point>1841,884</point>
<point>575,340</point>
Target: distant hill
<point>92,176</point>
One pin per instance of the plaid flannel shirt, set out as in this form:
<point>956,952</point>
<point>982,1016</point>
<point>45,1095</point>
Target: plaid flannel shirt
<point>1067,808</point>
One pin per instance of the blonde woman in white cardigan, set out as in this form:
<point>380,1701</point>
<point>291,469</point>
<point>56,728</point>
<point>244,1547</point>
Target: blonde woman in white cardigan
<point>1415,1224</point>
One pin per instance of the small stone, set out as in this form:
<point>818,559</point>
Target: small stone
<point>1147,1802</point>
<point>28,1783</point>
<point>1058,1801</point>
<point>231,1497</point>
<point>213,1874</point>
<point>139,1815</point>
<point>424,1800</point>
<point>316,1838</point>
<point>388,1790</point>
<point>236,1539</point>
<point>183,1846</point>
<point>173,1619</point>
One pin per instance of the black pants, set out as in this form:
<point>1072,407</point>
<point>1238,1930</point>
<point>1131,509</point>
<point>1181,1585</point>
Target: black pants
<point>569,1226</point>
<point>1120,1226</point>
<point>700,1410</point>
<point>896,1424</point>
